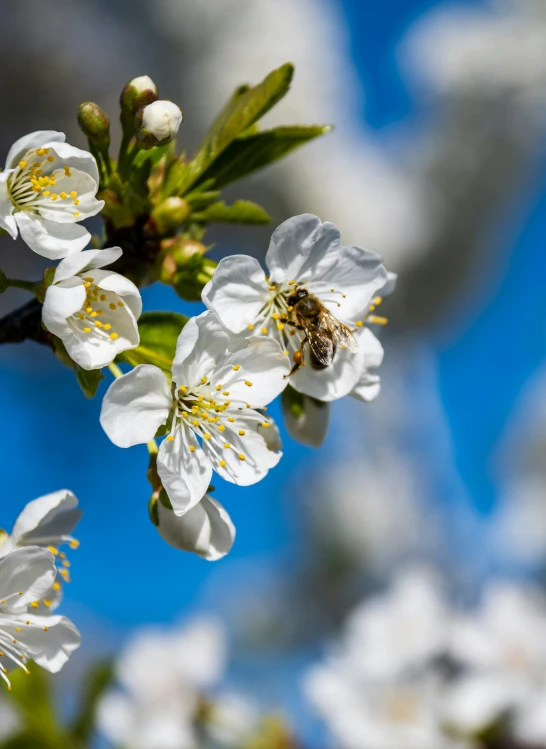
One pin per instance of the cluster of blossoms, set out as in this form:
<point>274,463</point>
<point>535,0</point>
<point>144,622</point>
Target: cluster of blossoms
<point>32,572</point>
<point>168,698</point>
<point>232,361</point>
<point>409,671</point>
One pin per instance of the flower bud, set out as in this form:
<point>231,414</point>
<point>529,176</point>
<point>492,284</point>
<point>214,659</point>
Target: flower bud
<point>190,281</point>
<point>158,123</point>
<point>306,418</point>
<point>95,123</point>
<point>169,214</point>
<point>175,255</point>
<point>137,93</point>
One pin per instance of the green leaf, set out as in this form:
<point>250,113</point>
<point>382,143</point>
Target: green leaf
<point>88,379</point>
<point>97,680</point>
<point>31,696</point>
<point>245,108</point>
<point>159,332</point>
<point>241,212</point>
<point>246,155</point>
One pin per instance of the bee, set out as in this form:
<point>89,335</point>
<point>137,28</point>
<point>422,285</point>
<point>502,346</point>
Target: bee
<point>323,332</point>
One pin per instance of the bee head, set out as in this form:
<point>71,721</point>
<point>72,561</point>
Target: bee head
<point>297,296</point>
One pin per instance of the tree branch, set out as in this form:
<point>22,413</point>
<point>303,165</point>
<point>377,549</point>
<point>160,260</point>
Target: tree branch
<point>25,323</point>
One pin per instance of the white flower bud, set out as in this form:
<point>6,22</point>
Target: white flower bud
<point>158,123</point>
<point>142,83</point>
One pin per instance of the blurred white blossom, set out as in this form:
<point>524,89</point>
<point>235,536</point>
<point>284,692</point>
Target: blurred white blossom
<point>166,699</point>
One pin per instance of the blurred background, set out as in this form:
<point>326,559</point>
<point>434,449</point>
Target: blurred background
<point>438,163</point>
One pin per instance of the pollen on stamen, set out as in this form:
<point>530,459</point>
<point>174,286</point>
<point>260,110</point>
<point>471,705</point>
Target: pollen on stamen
<point>359,323</point>
<point>241,456</point>
<point>250,326</point>
<point>222,464</point>
<point>203,380</point>
<point>200,398</point>
<point>241,432</point>
<point>275,315</point>
<point>120,303</point>
<point>236,367</point>
<point>87,330</point>
<point>377,320</point>
<point>280,326</point>
<point>248,383</point>
<point>63,196</point>
<point>73,194</point>
<point>231,419</point>
<point>192,449</point>
<point>265,424</point>
<point>183,389</point>
<point>112,305</point>
<point>226,445</point>
<point>221,428</point>
<point>114,336</point>
<point>195,423</point>
<point>107,326</point>
<point>272,288</point>
<point>264,331</point>
<point>170,438</point>
<point>218,387</point>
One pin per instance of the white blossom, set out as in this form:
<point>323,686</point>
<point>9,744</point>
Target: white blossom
<point>46,189</point>
<point>163,675</point>
<point>94,312</point>
<point>26,576</point>
<point>304,252</point>
<point>214,396</point>
<point>503,651</point>
<point>205,530</point>
<point>47,522</point>
<point>379,715</point>
<point>404,628</point>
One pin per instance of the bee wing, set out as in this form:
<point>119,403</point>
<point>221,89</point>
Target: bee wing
<point>321,345</point>
<point>341,333</point>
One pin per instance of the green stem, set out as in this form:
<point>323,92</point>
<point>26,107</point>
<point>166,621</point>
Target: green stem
<point>122,158</point>
<point>152,447</point>
<point>18,283</point>
<point>116,371</point>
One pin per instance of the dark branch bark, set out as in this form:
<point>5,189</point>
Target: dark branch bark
<point>24,324</point>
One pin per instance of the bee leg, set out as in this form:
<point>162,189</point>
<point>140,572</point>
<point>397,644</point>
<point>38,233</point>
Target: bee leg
<point>293,324</point>
<point>299,361</point>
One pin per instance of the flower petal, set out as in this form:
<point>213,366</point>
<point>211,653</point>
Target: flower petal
<point>185,475</point>
<point>46,640</point>
<point>30,572</point>
<point>135,406</point>
<point>237,292</point>
<point>355,274</point>
<point>206,530</point>
<point>76,158</point>
<point>33,140</point>
<point>368,386</point>
<point>47,520</point>
<point>290,246</point>
<point>245,439</point>
<point>263,364</point>
<point>65,209</point>
<point>49,238</point>
<point>7,219</point>
<point>333,382</point>
<point>110,281</point>
<point>201,344</point>
<point>311,425</point>
<point>82,261</point>
<point>60,303</point>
